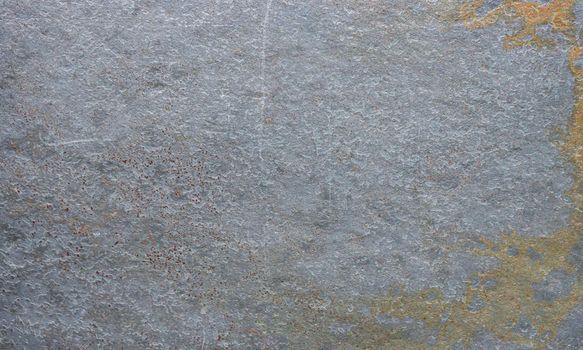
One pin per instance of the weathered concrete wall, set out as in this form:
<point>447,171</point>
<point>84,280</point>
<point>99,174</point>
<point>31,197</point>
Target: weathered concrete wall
<point>290,175</point>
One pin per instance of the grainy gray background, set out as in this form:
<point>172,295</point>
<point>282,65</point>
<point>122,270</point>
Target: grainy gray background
<point>163,163</point>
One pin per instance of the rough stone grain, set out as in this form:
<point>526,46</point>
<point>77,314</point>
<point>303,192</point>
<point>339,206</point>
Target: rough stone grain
<point>179,174</point>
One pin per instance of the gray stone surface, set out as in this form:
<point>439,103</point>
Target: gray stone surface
<point>169,166</point>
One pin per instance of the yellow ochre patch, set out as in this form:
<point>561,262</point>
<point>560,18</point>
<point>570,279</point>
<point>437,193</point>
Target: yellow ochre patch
<point>512,297</point>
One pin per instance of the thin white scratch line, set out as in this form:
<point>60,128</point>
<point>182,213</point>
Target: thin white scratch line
<point>65,143</point>
<point>264,26</point>
<point>263,99</point>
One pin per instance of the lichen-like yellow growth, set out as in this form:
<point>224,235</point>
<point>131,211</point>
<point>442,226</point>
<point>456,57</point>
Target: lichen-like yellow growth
<point>556,13</point>
<point>495,300</point>
<point>523,262</point>
<point>505,303</point>
<point>573,146</point>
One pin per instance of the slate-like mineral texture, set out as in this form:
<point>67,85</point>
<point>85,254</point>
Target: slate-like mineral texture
<point>272,174</point>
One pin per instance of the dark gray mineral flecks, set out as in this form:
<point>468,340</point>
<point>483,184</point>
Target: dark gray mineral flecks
<point>182,174</point>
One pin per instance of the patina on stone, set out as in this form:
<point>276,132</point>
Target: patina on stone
<point>291,174</point>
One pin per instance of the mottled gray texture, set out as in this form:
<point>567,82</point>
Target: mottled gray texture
<point>166,166</point>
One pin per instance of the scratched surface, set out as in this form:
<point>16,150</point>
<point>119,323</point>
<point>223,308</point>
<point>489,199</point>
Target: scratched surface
<point>290,175</point>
